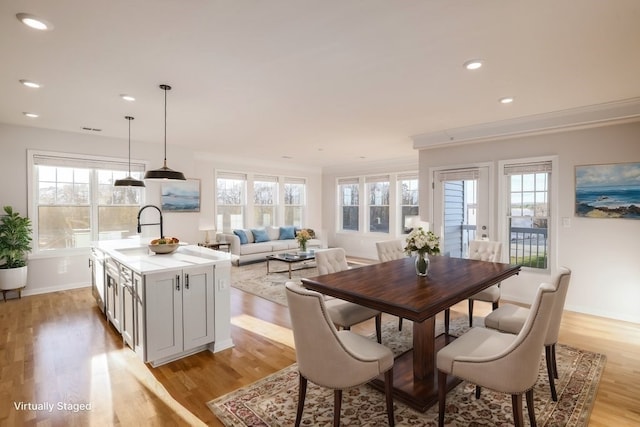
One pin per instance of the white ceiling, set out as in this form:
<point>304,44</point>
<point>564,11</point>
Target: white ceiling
<point>327,82</point>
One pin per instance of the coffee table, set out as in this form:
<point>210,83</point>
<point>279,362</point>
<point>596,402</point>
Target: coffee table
<point>291,258</point>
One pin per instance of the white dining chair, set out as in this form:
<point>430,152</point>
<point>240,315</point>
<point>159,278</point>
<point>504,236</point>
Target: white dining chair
<point>511,318</point>
<point>503,362</point>
<point>334,359</point>
<point>344,313</point>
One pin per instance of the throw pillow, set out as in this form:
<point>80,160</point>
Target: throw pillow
<point>243,237</point>
<point>287,232</point>
<point>260,235</point>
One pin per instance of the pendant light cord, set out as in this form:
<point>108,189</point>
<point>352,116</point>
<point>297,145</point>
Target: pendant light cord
<point>165,125</point>
<point>129,120</point>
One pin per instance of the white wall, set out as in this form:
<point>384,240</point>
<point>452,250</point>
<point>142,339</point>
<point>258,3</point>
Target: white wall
<point>69,269</point>
<point>603,254</point>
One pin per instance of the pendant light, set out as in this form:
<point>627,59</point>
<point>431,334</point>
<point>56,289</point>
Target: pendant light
<point>129,181</point>
<point>164,172</point>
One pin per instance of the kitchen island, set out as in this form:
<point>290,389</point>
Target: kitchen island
<point>165,306</point>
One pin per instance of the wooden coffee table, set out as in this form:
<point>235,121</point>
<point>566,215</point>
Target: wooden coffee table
<point>291,258</point>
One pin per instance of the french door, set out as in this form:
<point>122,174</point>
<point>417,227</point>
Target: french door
<point>461,208</point>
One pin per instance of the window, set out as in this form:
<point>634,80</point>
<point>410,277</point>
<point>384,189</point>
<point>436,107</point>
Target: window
<point>231,199</point>
<point>378,192</point>
<point>75,201</point>
<point>265,196</point>
<point>529,213</point>
<point>409,206</point>
<point>348,191</point>
<point>294,201</point>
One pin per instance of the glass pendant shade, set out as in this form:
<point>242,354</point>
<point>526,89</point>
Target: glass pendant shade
<point>164,173</point>
<point>129,181</point>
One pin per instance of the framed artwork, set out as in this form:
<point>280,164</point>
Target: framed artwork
<point>608,191</point>
<point>181,196</point>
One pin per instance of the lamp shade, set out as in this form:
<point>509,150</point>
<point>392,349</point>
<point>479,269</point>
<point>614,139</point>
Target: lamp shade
<point>164,173</point>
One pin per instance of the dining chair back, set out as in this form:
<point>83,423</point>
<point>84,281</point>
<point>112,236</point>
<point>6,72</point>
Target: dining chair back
<point>485,250</point>
<point>389,250</point>
<point>330,358</point>
<point>331,260</point>
<point>344,313</point>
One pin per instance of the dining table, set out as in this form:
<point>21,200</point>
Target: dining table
<point>394,287</point>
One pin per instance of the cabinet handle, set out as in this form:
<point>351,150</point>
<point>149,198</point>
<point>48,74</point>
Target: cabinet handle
<point>186,281</point>
<point>177,282</point>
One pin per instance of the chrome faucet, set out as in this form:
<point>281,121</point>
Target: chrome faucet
<point>150,223</point>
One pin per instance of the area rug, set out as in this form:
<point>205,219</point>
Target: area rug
<point>253,278</point>
<point>272,400</point>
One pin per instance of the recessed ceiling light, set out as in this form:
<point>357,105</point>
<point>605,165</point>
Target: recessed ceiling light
<point>287,157</point>
<point>473,64</point>
<point>34,22</point>
<point>29,83</point>
<point>31,115</point>
<point>506,100</point>
<point>127,97</point>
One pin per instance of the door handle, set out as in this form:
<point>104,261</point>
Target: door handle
<point>177,282</point>
<point>186,281</point>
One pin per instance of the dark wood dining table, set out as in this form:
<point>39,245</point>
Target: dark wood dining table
<point>394,287</point>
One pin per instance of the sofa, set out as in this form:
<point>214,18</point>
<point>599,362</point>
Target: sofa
<point>255,244</point>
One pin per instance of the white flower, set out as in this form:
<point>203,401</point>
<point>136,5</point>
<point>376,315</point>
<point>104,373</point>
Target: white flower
<point>421,242</point>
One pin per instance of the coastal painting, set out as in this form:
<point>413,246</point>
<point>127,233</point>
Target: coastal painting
<point>181,196</point>
<point>608,191</point>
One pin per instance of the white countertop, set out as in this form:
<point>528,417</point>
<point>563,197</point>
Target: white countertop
<point>136,255</point>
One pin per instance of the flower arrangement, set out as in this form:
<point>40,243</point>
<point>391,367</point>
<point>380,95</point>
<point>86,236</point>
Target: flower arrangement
<point>303,236</point>
<point>422,242</point>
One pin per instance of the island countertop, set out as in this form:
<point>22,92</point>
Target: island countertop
<point>136,255</point>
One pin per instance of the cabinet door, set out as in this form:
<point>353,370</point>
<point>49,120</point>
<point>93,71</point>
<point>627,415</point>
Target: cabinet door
<point>113,295</point>
<point>197,299</point>
<point>97,277</point>
<point>138,315</point>
<point>163,315</point>
<point>128,321</point>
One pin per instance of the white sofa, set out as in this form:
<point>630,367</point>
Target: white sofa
<point>252,250</point>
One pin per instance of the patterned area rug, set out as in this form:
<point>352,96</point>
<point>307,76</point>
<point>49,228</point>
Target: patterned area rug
<point>253,278</point>
<point>272,400</point>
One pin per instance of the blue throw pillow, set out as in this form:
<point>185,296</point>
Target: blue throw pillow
<point>260,235</point>
<point>242,236</point>
<point>287,232</point>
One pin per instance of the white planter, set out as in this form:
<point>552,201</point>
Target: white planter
<point>13,278</point>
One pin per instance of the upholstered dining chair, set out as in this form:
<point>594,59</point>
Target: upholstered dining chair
<point>330,358</point>
<point>344,313</point>
<point>485,250</point>
<point>511,318</point>
<point>389,250</point>
<point>503,362</point>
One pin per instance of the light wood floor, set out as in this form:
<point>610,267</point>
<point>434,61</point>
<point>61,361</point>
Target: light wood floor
<point>57,348</point>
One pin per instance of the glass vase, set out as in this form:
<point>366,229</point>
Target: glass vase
<point>422,264</point>
<point>303,246</point>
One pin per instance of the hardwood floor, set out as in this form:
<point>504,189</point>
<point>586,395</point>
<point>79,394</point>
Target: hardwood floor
<point>57,349</point>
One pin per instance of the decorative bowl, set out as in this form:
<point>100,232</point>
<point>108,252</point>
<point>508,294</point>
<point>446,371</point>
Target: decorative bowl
<point>164,248</point>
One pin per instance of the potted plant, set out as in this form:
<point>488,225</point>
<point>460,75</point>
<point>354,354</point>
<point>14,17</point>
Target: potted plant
<point>15,243</point>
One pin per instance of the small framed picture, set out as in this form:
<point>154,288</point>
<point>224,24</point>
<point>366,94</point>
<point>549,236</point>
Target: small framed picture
<point>181,196</point>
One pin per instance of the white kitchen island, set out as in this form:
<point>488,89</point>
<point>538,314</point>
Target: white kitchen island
<point>165,306</point>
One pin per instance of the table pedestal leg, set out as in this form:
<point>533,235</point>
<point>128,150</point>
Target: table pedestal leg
<point>424,348</point>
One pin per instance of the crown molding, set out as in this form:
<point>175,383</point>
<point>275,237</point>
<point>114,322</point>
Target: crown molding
<point>621,111</point>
